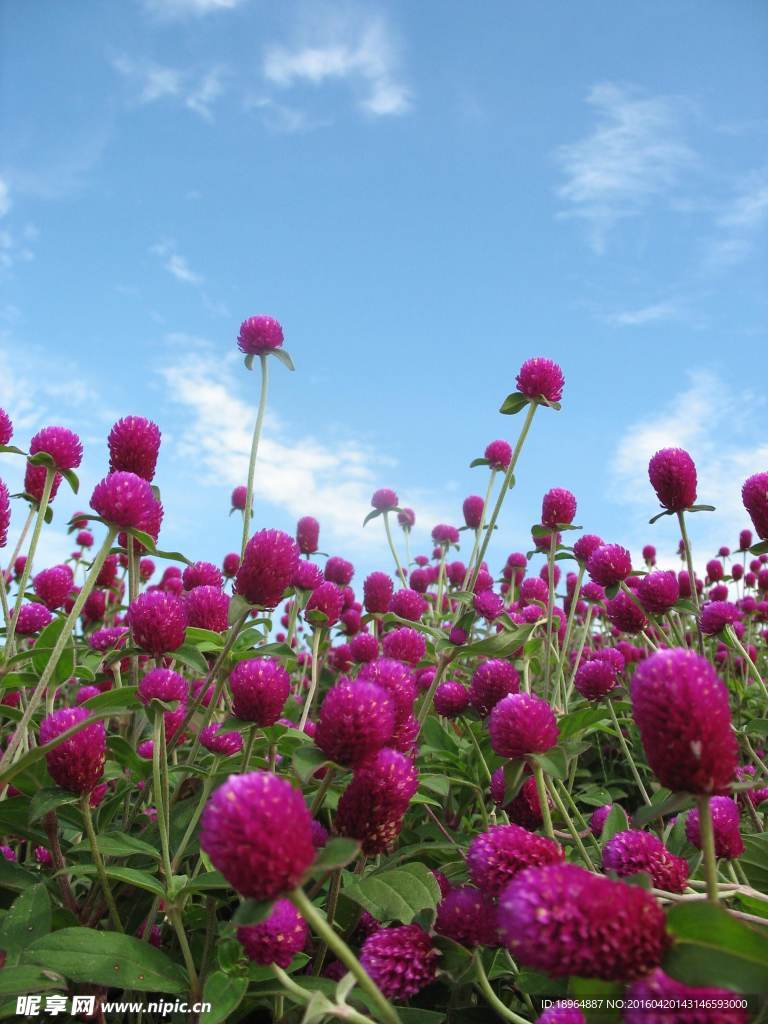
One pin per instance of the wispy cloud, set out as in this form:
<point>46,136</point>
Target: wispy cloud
<point>633,155</point>
<point>740,220</point>
<point>5,197</point>
<point>339,48</point>
<point>644,315</point>
<point>188,8</point>
<point>152,83</point>
<point>175,263</point>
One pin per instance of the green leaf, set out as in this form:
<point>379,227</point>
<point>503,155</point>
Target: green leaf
<point>660,808</point>
<point>252,911</point>
<point>190,656</point>
<point>43,648</point>
<point>120,844</point>
<point>757,727</point>
<point>238,606</point>
<point>203,637</point>
<point>224,994</point>
<point>107,958</point>
<point>580,721</point>
<point>415,1015</point>
<point>754,860</point>
<point>123,698</point>
<point>14,877</point>
<point>514,776</point>
<point>713,948</point>
<point>479,462</point>
<point>49,799</point>
<point>282,355</point>
<point>513,403</point>
<point>592,994</point>
<point>28,918</point>
<point>616,822</point>
<point>499,645</point>
<point>307,760</point>
<point>130,876</point>
<point>24,979</point>
<point>336,853</point>
<point>71,477</point>
<point>760,548</point>
<point>372,515</point>
<point>397,895</point>
<point>552,763</point>
<point>660,515</point>
<point>207,880</point>
<point>701,508</point>
<point>10,449</point>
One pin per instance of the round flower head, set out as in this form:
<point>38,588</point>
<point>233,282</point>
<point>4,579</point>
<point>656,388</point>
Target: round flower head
<point>499,455</point>
<point>597,819</point>
<point>533,589</point>
<point>649,554</point>
<point>473,511</point>
<point>372,806</point>
<point>585,545</point>
<point>257,832</point>
<point>522,724</point>
<point>327,599</point>
<point>563,1012</point>
<point>32,618</point>
<point>34,482</point>
<point>308,576</point>
<point>745,540</point>
<point>408,604</point>
<point>53,585</point>
<point>61,444</point>
<point>659,999</point>
<point>715,570</point>
<point>134,444</point>
<point>207,608</point>
<point>158,621</point>
<point>364,648</point>
<point>260,688</point>
<point>561,919</point>
<point>230,564</point>
<point>558,508</point>
<point>85,693</point>
<point>624,614</point>
<point>356,720</point>
<point>6,428</point>
<point>658,591</point>
<point>385,500</point>
<point>77,763</point>
<point>401,960</point>
<point>467,916</point>
<point>278,938</point>
<point>716,615</point>
<point>496,856</point>
<point>268,565</point>
<point>202,574</point>
<point>488,605</point>
<point>123,499</point>
<point>224,744</point>
<point>451,699</point>
<point>377,593</point>
<point>108,638</point>
<point>307,535</point>
<point>609,564</point>
<point>406,518</point>
<point>162,684</point>
<point>491,681</point>
<point>594,679</point>
<point>725,824</point>
<point>541,378</point>
<point>681,709</point>
<point>5,515</point>
<point>398,681</point>
<point>631,852</point>
<point>259,334</point>
<point>404,644</point>
<point>456,571</point>
<point>239,498</point>
<point>673,476</point>
<point>445,534</point>
<point>339,570</point>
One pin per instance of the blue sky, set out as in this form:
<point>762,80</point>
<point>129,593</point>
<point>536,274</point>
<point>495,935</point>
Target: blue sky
<point>425,195</point>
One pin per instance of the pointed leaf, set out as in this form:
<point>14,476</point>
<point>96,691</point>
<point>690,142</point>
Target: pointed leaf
<point>397,895</point>
<point>513,403</point>
<point>283,356</point>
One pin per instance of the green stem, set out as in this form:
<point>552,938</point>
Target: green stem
<point>628,754</point>
<point>248,510</point>
<point>333,899</point>
<point>478,751</point>
<point>550,611</point>
<point>708,847</point>
<point>479,532</point>
<point>493,1000</point>
<point>579,652</point>
<point>316,635</point>
<point>577,813</point>
<point>50,476</point>
<point>158,750</point>
<point>206,791</point>
<point>22,537</point>
<point>186,952</point>
<point>426,704</point>
<point>248,751</point>
<point>691,577</point>
<point>320,926</point>
<point>541,791</point>
<point>392,548</point>
<point>323,788</point>
<point>745,655</point>
<point>569,824</point>
<point>85,807</point>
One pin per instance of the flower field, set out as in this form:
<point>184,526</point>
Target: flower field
<point>450,791</point>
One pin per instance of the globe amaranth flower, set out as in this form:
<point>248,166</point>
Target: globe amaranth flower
<point>225,744</point>
<point>405,644</point>
<point>308,576</point>
<point>561,919</point>
<point>496,856</point>
<point>32,618</point>
<point>491,681</point>
<point>595,679</point>
<point>134,444</point>
<point>659,999</point>
<point>658,591</point>
<point>259,334</point>
<point>267,568</point>
<point>408,604</point>
<point>533,589</point>
<point>207,608</point>
<point>364,648</point>
<point>278,938</point>
<point>745,539</point>
<point>372,806</point>
<point>239,497</point>
<point>624,614</point>
<point>609,564</point>
<point>598,818</point>
<point>260,688</point>
<point>467,916</point>
<point>76,764</point>
<point>327,599</point>
<point>558,508</point>
<point>61,444</point>
<point>725,824</point>
<point>472,509</point>
<point>257,831</point>
<point>162,684</point>
<point>564,1011</point>
<point>406,518</point>
<point>202,574</point>
<point>356,720</point>
<point>53,585</point>
<point>451,699</point>
<point>397,680</point>
<point>682,711</point>
<point>6,428</point>
<point>631,852</point>
<point>307,535</point>
<point>230,564</point>
<point>401,960</point>
<point>445,534</point>
<point>488,605</point>
<point>85,693</point>
<point>110,637</point>
<point>34,482</point>
<point>499,455</point>
<point>673,476</point>
<point>5,516</point>
<point>522,724</point>
<point>158,621</point>
<point>385,500</point>
<point>125,500</point>
<point>716,615</point>
<point>541,378</point>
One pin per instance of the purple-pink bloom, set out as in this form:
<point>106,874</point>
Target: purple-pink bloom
<point>404,644</point>
<point>339,570</point>
<point>451,699</point>
<point>207,608</point>
<point>673,476</point>
<point>224,744</point>
<point>259,334</point>
<point>307,535</point>
<point>725,825</point>
<point>558,508</point>
<point>53,585</point>
<point>260,688</point>
<point>754,494</point>
<point>541,378</point>
<point>385,499</point>
<point>267,568</point>
<point>499,454</point>
<point>658,591</point>
<point>77,763</point>
<point>632,851</point>
<point>522,724</point>
<point>134,444</point>
<point>32,618</point>
<point>659,999</point>
<point>491,681</point>
<point>61,444</point>
<point>124,500</point>
<point>496,856</point>
<point>158,621</point>
<point>162,684</point>
<point>377,593</point>
<point>278,938</point>
<point>609,564</point>
<point>356,720</point>
<point>401,960</point>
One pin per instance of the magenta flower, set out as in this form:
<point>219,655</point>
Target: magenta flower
<point>61,444</point>
<point>562,1012</point>
<point>6,428</point>
<point>356,720</point>
<point>716,615</point>
<point>224,744</point>
<point>624,614</point>
<point>364,648</point>
<point>725,824</point>
<point>377,593</point>
<point>558,508</point>
<point>385,500</point>
<point>658,591</point>
<point>77,763</point>
<point>134,444</point>
<point>522,724</point>
<point>308,576</point>
<point>108,638</point>
<point>585,545</point>
<point>401,960</point>
<point>499,455</point>
<point>408,604</point>
<point>451,699</point>
<point>404,644</point>
<point>541,378</point>
<point>34,482</point>
<point>467,916</point>
<point>125,500</point>
<point>257,832</point>
<point>445,534</point>
<point>754,494</point>
<point>488,605</point>
<point>267,569</point>
<point>398,681</point>
<point>259,334</point>
<point>496,856</point>
<point>207,608</point>
<point>595,679</point>
<point>5,514</point>
<point>239,497</point>
<point>307,535</point>
<point>260,688</point>
<point>745,538</point>
<point>53,585</point>
<point>659,999</point>
<point>631,852</point>
<point>491,681</point>
<point>328,599</point>
<point>406,518</point>
<point>682,711</point>
<point>202,574</point>
<point>230,564</point>
<point>159,621</point>
<point>597,819</point>
<point>32,618</point>
<point>372,806</point>
<point>339,570</point>
<point>162,684</point>
<point>561,919</point>
<point>609,564</point>
<point>278,938</point>
<point>473,511</point>
<point>673,476</point>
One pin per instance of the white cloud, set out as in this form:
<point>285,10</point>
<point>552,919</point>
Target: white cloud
<point>187,8</point>
<point>175,263</point>
<point>153,83</point>
<point>644,315</point>
<point>740,220</point>
<point>634,154</point>
<point>339,48</point>
<point>203,96</point>
<point>5,198</point>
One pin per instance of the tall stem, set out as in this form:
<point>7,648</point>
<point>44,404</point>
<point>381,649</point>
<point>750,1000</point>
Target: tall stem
<point>628,754</point>
<point>248,510</point>
<point>550,611</point>
<point>569,824</point>
<point>392,548</point>
<point>481,528</point>
<point>426,704</point>
<point>50,476</point>
<point>708,847</point>
<point>745,655</point>
<point>691,577</point>
<point>316,634</point>
<point>85,807</point>
<point>541,792</point>
<point>22,537</point>
<point>493,1000</point>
